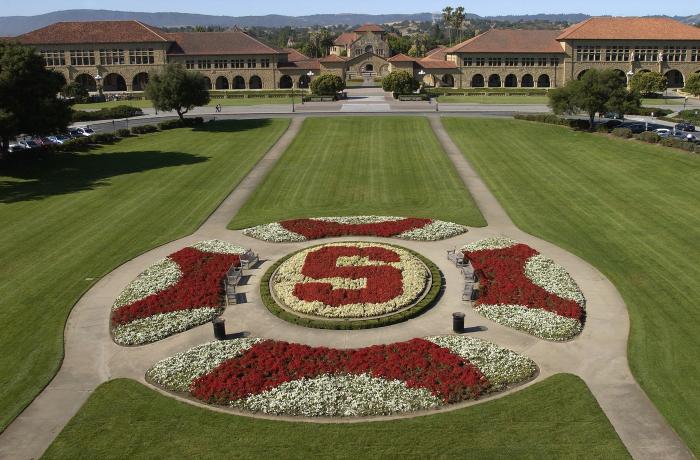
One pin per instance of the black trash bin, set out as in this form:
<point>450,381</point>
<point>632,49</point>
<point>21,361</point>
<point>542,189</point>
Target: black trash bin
<point>458,322</point>
<point>219,328</point>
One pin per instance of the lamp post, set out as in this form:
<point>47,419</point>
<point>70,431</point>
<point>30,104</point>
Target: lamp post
<point>422,74</point>
<point>293,109</point>
<point>309,74</point>
<point>98,80</point>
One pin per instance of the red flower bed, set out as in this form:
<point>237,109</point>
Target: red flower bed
<point>314,229</point>
<point>418,362</point>
<point>384,282</point>
<point>502,277</point>
<point>199,287</point>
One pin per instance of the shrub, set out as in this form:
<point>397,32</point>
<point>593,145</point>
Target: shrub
<point>622,132</point>
<point>123,132</point>
<point>110,113</point>
<point>647,111</point>
<point>76,144</point>
<point>327,85</point>
<point>178,123</point>
<point>692,85</point>
<point>602,128</point>
<point>144,129</point>
<point>399,82</point>
<point>578,124</point>
<point>103,138</point>
<point>649,137</point>
<point>541,118</point>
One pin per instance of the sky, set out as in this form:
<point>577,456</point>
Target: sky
<point>305,7</point>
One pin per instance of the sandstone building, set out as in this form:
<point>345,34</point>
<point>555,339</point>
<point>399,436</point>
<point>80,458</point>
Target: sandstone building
<point>120,56</point>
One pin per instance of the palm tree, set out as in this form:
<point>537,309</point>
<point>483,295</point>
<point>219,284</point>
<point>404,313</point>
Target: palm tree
<point>448,18</point>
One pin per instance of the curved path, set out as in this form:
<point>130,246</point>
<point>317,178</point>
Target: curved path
<point>598,356</point>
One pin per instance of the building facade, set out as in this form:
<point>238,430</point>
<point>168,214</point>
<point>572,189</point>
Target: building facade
<point>120,56</point>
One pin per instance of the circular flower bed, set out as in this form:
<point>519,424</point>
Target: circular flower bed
<point>409,228</point>
<point>283,378</point>
<point>177,293</point>
<point>362,282</point>
<point>522,289</point>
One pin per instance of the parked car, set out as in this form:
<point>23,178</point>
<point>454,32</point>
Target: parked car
<point>637,128</point>
<point>614,116</point>
<point>58,138</point>
<point>28,144</point>
<point>15,148</point>
<point>87,131</point>
<point>685,126</point>
<point>663,132</point>
<point>612,124</point>
<point>73,132</point>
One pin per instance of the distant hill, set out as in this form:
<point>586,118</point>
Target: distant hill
<point>16,25</point>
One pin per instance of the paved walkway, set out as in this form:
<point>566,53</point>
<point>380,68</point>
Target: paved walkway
<point>598,356</point>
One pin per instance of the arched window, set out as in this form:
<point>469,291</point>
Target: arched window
<point>238,82</point>
<point>448,80</point>
<point>495,81</point>
<point>581,74</point>
<point>478,81</point>
<point>286,82</point>
<point>543,81</point>
<point>527,81</point>
<point>140,82</point>
<point>255,82</point>
<point>675,79</point>
<point>511,81</point>
<point>304,81</point>
<point>222,82</point>
<point>114,82</point>
<point>87,82</point>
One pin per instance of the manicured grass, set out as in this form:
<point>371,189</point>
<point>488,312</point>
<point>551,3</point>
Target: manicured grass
<point>70,219</point>
<point>362,166</point>
<point>494,100</point>
<point>556,418</point>
<point>224,102</point>
<point>629,208</point>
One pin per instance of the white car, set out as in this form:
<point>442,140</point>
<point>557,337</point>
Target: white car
<point>663,132</point>
<point>87,132</point>
<point>58,139</point>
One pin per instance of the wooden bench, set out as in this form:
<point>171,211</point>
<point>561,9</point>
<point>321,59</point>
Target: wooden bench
<point>249,259</point>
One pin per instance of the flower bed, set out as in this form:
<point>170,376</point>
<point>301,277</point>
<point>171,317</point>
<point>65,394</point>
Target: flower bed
<point>522,289</point>
<point>283,378</point>
<point>175,294</point>
<point>409,228</point>
<point>350,280</point>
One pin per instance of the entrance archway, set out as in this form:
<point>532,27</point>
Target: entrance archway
<point>543,81</point>
<point>222,82</point>
<point>286,82</point>
<point>527,81</point>
<point>478,81</point>
<point>675,79</point>
<point>495,81</point>
<point>87,81</point>
<point>448,80</point>
<point>238,82</point>
<point>255,82</point>
<point>511,81</point>
<point>368,68</point>
<point>581,74</point>
<point>140,82</point>
<point>114,82</point>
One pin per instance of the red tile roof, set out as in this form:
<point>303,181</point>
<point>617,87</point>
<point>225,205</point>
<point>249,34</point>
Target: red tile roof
<point>370,28</point>
<point>332,58</point>
<point>511,41</point>
<point>401,58</point>
<point>307,64</point>
<point>628,28</point>
<point>436,53</point>
<point>436,64</point>
<point>93,32</point>
<point>346,38</point>
<point>233,41</point>
<point>294,55</point>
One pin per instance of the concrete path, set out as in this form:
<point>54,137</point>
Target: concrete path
<point>598,355</point>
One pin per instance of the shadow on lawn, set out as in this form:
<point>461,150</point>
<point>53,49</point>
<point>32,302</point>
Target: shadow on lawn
<point>232,126</point>
<point>60,173</point>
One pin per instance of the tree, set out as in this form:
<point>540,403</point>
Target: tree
<point>320,40</point>
<point>399,82</point>
<point>648,83</point>
<point>398,44</point>
<point>76,91</point>
<point>692,84</point>
<point>328,84</point>
<point>595,92</point>
<point>458,17</point>
<point>28,102</point>
<point>447,18</point>
<point>177,89</point>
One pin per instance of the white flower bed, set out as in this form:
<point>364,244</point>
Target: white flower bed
<point>340,396</point>
<point>434,231</point>
<point>156,278</point>
<point>501,366</point>
<point>162,325</point>
<point>497,242</point>
<point>219,247</point>
<point>289,274</point>
<point>178,372</point>
<point>553,278</point>
<point>540,323</point>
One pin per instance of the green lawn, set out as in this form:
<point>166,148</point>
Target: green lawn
<point>142,103</point>
<point>362,166</point>
<point>493,100</point>
<point>556,418</point>
<point>69,220</point>
<point>629,208</point>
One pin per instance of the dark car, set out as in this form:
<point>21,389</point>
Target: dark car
<point>637,128</point>
<point>614,116</point>
<point>685,126</point>
<point>612,124</point>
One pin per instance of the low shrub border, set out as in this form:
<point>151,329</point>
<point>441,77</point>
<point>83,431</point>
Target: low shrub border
<point>109,113</point>
<point>433,295</point>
